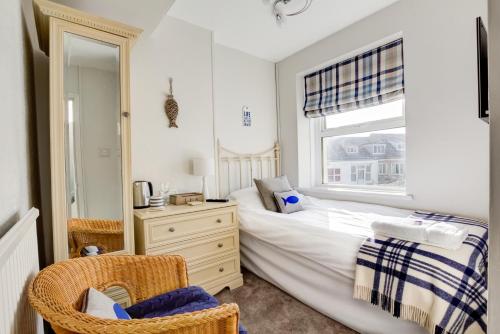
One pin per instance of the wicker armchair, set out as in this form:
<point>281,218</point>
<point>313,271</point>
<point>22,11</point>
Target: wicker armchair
<point>57,291</point>
<point>107,235</point>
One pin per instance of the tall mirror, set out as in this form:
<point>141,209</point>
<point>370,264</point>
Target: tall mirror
<point>93,152</point>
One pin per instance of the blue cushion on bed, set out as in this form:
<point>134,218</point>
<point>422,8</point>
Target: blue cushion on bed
<point>179,301</point>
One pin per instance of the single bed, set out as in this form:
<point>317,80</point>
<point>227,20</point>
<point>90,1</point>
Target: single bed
<point>309,254</point>
<point>312,254</point>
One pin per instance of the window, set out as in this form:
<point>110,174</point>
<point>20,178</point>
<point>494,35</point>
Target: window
<point>367,144</point>
<point>334,175</point>
<point>379,149</point>
<point>366,115</point>
<point>397,168</point>
<point>361,174</point>
<point>351,149</point>
<point>382,168</point>
<point>368,173</point>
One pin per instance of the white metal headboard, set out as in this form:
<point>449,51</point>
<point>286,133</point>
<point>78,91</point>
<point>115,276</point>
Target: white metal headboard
<point>237,170</point>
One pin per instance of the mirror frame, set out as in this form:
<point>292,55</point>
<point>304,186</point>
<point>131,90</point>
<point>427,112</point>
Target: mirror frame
<point>58,28</point>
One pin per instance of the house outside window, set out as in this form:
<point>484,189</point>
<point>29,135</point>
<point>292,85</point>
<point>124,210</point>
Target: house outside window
<point>366,146</point>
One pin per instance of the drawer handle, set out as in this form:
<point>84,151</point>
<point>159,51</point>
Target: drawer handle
<point>171,229</point>
<point>220,245</point>
<point>221,269</point>
<point>218,220</point>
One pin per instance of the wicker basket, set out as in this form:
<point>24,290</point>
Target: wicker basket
<point>107,235</point>
<point>57,291</point>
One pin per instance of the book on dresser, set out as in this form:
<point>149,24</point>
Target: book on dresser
<point>206,235</point>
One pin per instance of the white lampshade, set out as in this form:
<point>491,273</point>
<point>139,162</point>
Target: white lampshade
<point>203,167</point>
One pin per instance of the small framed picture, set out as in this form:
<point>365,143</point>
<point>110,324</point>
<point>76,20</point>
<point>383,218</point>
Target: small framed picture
<point>247,116</point>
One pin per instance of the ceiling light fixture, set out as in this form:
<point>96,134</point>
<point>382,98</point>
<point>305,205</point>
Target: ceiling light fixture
<point>279,14</point>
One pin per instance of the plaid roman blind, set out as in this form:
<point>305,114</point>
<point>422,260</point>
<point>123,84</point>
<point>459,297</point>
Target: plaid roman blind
<point>371,78</point>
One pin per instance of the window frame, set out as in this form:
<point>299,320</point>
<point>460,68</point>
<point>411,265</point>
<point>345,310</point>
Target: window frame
<point>321,132</point>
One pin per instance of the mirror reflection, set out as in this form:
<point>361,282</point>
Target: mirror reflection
<point>93,146</point>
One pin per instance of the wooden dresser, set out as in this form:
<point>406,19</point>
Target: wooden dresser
<point>206,235</point>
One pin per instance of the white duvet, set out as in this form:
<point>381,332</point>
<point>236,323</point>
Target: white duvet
<point>327,232</point>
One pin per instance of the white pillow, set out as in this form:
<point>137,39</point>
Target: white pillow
<point>248,198</point>
<point>99,305</point>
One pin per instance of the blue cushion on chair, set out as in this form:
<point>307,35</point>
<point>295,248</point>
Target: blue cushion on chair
<point>179,301</point>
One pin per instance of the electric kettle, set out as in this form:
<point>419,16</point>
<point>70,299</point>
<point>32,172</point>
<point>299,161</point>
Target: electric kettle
<point>142,191</point>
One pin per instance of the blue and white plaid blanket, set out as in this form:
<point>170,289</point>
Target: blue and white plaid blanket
<point>445,291</point>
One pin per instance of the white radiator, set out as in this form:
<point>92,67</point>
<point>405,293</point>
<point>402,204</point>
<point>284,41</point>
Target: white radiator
<point>18,265</point>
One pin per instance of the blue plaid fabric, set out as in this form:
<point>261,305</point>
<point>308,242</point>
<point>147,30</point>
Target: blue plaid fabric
<point>442,290</point>
<point>372,78</point>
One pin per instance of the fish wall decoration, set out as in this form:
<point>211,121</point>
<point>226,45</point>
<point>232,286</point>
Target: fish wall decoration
<point>171,106</point>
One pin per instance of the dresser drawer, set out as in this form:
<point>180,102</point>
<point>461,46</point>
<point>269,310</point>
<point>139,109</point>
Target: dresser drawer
<point>205,273</point>
<point>200,248</point>
<point>206,235</point>
<point>172,229</point>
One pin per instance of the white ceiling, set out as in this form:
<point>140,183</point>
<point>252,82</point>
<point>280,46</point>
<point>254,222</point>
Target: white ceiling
<point>249,26</point>
<point>144,14</point>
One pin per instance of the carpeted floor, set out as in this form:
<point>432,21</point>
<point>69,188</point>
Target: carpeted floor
<point>266,309</point>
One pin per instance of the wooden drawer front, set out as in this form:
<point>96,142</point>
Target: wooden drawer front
<point>206,273</point>
<point>172,229</point>
<point>201,248</point>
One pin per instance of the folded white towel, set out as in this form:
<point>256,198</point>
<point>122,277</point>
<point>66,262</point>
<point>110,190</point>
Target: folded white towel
<point>429,232</point>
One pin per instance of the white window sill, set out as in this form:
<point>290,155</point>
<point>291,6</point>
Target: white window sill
<point>324,191</point>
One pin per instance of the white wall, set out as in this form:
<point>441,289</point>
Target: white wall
<point>244,80</point>
<point>447,146</point>
<point>494,233</point>
<point>17,134</point>
<point>182,51</point>
<point>211,84</point>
